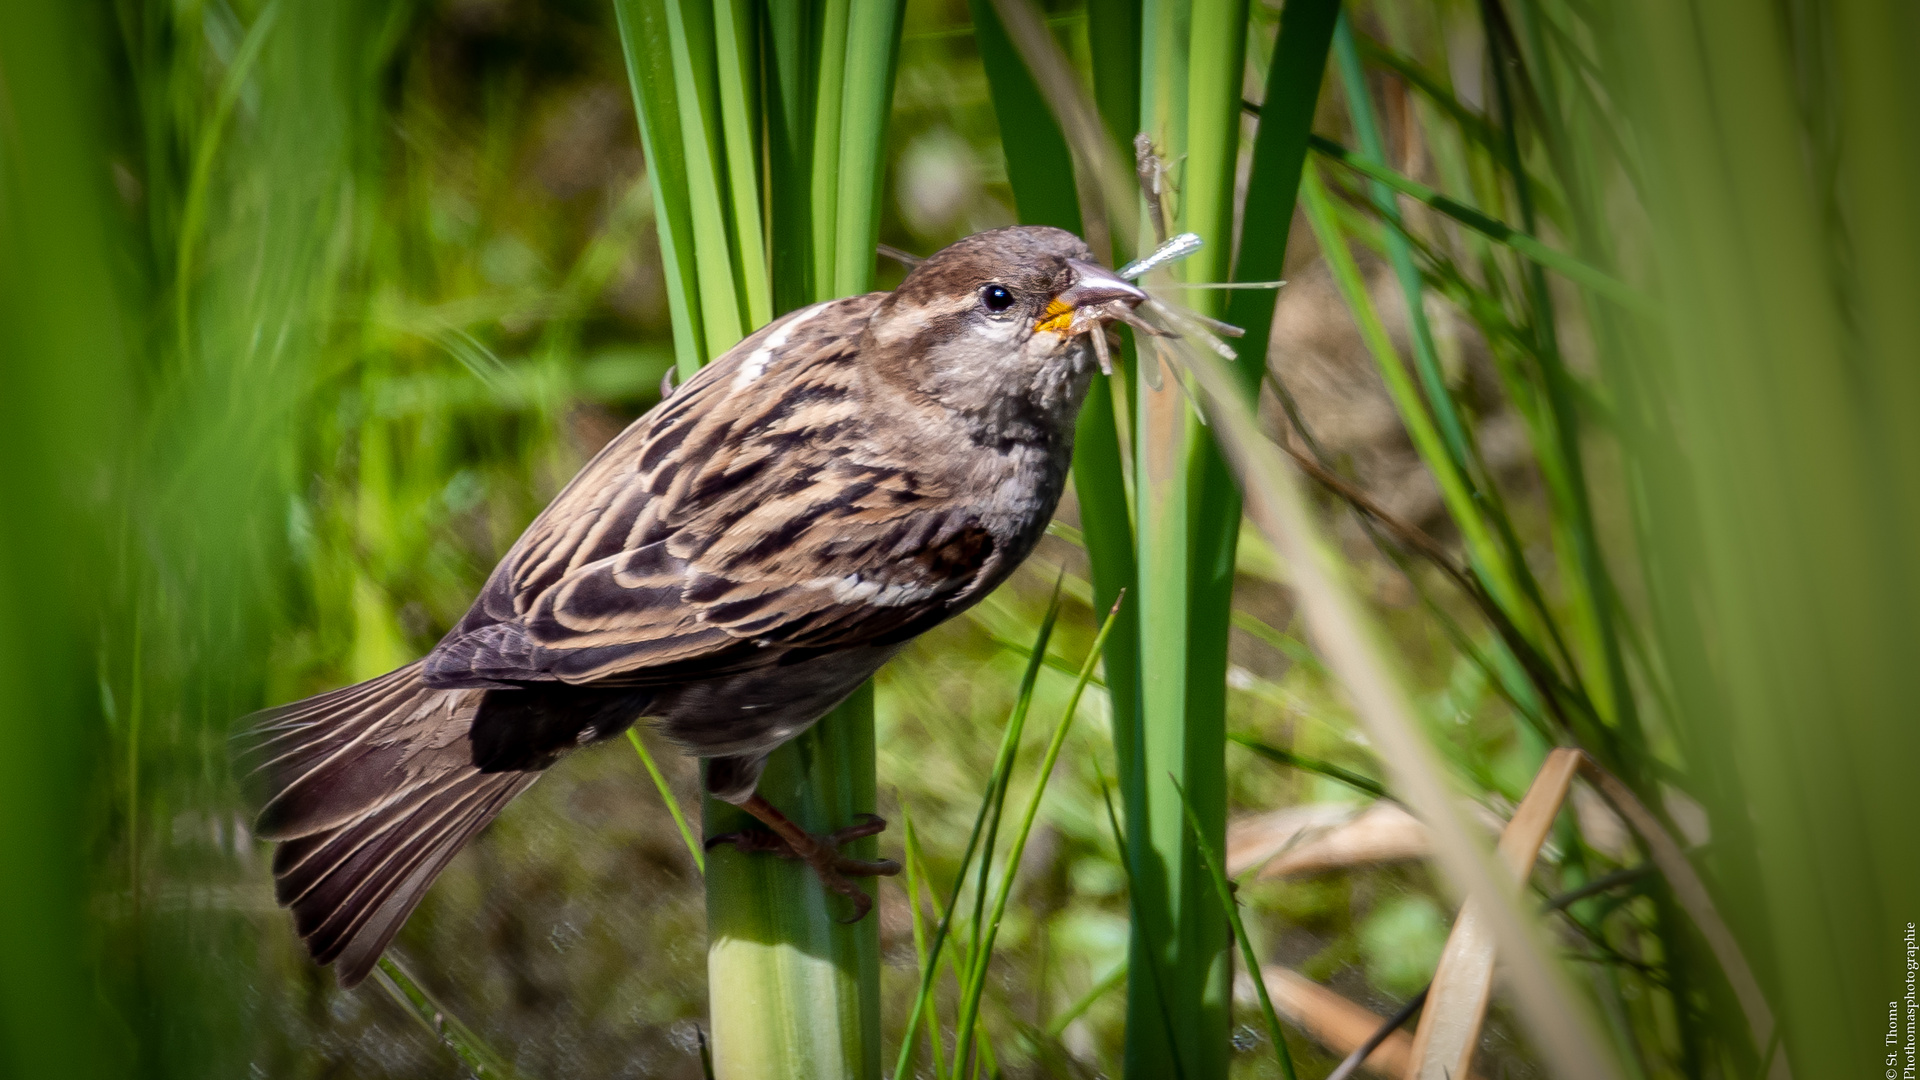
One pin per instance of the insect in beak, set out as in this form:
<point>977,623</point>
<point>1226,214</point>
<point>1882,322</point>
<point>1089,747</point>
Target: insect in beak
<point>1096,295</point>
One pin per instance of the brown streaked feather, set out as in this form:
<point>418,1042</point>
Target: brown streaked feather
<point>745,517</point>
<point>373,788</point>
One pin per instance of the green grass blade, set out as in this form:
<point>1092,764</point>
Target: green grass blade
<point>990,800</point>
<point>193,212</point>
<point>791,61</point>
<point>1313,765</point>
<point>1003,771</point>
<point>1158,994</point>
<point>955,960</point>
<point>1454,488</point>
<point>1568,266</point>
<point>1179,1012</point>
<point>1294,76</point>
<point>872,55</point>
<point>1106,530</point>
<point>1284,643</point>
<point>736,56</point>
<point>1279,155</point>
<point>928,1011</point>
<point>650,72</point>
<point>1040,168</point>
<point>1099,146</point>
<point>1771,434</point>
<point>794,992</point>
<point>1346,637</point>
<point>983,943</point>
<point>1101,987</point>
<point>1189,509</point>
<point>1434,88</point>
<point>1113,42</point>
<point>695,93</point>
<point>1026,649</point>
<point>479,1058</point>
<point>830,45</point>
<point>694,846</point>
<point>1590,588</point>
<point>1426,355</point>
<point>62,323</point>
<point>1281,1055</point>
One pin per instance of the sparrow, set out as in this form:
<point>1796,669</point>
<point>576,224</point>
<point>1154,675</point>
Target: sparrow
<point>729,568</point>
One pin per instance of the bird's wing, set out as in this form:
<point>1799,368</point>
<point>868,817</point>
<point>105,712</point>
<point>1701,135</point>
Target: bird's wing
<point>740,520</point>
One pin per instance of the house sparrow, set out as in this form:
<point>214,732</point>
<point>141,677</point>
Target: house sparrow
<point>731,567</point>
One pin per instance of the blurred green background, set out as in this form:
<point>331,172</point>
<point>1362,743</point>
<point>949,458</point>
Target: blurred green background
<point>305,310</point>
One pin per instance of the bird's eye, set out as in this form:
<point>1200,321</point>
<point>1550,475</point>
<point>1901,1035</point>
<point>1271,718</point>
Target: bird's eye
<point>996,297</point>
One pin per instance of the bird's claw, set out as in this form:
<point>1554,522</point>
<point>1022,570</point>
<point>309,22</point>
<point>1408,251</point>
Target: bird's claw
<point>755,841</point>
<point>823,855</point>
<point>864,825</point>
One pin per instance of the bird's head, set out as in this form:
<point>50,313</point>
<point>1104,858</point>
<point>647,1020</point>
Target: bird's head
<point>998,325</point>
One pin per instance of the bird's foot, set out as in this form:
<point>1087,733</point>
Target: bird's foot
<point>768,842</point>
<point>822,852</point>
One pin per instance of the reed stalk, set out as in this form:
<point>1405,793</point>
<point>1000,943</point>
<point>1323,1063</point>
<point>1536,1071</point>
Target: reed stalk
<point>1191,59</point>
<point>763,130</point>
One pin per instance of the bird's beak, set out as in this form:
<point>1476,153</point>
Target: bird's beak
<point>1093,288</point>
<point>1094,285</point>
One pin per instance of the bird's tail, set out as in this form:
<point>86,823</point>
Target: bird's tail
<point>370,791</point>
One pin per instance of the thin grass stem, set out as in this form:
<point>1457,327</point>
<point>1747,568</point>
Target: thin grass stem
<point>915,873</point>
<point>694,847</point>
<point>1313,765</point>
<point>1455,489</point>
<point>1126,867</point>
<point>1568,266</point>
<point>199,184</point>
<point>983,944</point>
<point>1282,1056</point>
<point>989,801</point>
<point>1078,1007</point>
<point>473,1052</point>
<point>1426,358</point>
<point>1003,776</point>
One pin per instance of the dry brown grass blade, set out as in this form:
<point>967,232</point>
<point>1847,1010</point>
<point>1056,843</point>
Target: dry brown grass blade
<point>1336,1023</point>
<point>1449,1029</point>
<point>1692,895</point>
<point>1345,637</point>
<point>1324,836</point>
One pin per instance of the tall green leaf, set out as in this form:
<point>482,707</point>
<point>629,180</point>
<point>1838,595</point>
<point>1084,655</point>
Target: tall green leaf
<point>1769,424</point>
<point>1040,168</point>
<point>1192,736</point>
<point>60,337</point>
<point>1187,75</point>
<point>764,130</point>
<point>1178,938</point>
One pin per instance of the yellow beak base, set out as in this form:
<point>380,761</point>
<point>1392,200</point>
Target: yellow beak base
<point>1057,318</point>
